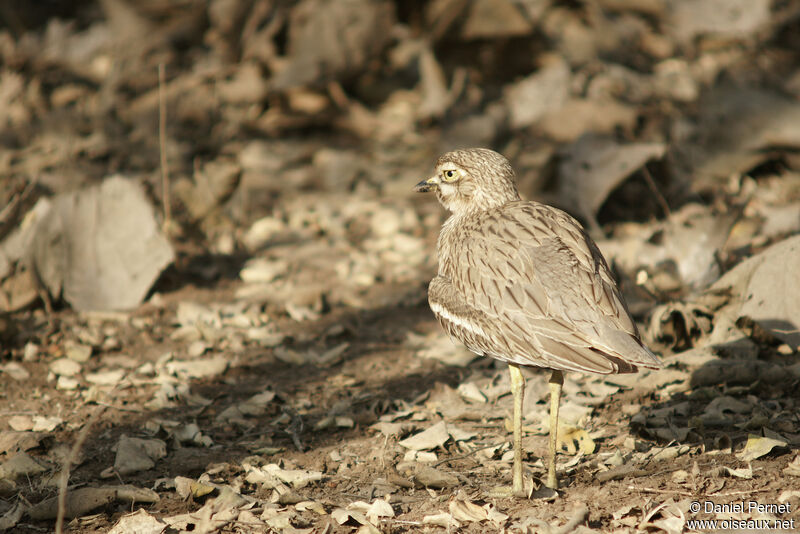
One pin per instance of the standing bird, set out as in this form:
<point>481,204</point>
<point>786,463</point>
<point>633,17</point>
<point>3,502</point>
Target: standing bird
<point>522,282</point>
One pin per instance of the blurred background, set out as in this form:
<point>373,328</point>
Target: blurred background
<point>203,203</point>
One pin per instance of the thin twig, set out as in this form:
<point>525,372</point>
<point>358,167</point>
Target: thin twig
<point>660,449</point>
<point>294,428</point>
<point>338,95</point>
<point>8,211</point>
<point>465,455</point>
<point>162,145</point>
<point>654,188</point>
<point>120,408</point>
<point>666,492</point>
<point>71,459</point>
<point>732,493</point>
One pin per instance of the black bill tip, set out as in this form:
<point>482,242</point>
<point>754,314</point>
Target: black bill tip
<point>424,186</point>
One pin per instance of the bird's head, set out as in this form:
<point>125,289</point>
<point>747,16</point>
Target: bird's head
<point>471,180</point>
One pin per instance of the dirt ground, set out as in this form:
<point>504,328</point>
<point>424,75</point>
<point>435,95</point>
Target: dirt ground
<point>213,269</point>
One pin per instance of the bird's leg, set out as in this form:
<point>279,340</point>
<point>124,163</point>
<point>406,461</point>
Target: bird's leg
<point>556,381</point>
<point>518,390</point>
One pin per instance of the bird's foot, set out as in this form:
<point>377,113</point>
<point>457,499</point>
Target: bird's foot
<point>507,492</point>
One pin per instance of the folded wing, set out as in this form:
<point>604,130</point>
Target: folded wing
<point>526,285</point>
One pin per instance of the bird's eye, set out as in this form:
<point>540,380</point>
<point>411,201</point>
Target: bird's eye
<point>449,175</point>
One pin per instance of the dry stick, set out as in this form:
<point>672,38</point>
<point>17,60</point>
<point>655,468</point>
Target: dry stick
<point>338,95</point>
<point>71,459</point>
<point>665,492</point>
<point>466,455</point>
<point>654,188</point>
<point>406,522</point>
<point>15,201</point>
<point>732,493</point>
<point>162,145</point>
<point>294,428</point>
<point>120,408</point>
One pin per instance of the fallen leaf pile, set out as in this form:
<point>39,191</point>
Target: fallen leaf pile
<point>213,266</point>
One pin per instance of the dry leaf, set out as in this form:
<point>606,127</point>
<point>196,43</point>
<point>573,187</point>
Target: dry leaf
<point>793,469</point>
<point>772,297</point>
<point>568,435</point>
<point>758,446</point>
<point>379,508</point>
<point>743,472</point>
<point>543,92</point>
<point>423,457</point>
<point>136,454</point>
<point>11,517</point>
<point>467,511</point>
<point>690,239</point>
<point>15,371</point>
<point>65,367</point>
<point>732,18</point>
<point>108,377</point>
<point>431,477</point>
<point>439,346</point>
<point>493,19</point>
<point>198,368</point>
<point>81,501</point>
<point>314,506</point>
<point>21,464</point>
<point>471,392</point>
<point>257,404</point>
<point>101,246</point>
<point>432,438</point>
<point>139,522</point>
<point>493,515</point>
<point>443,519</point>
<point>788,494</point>
<point>594,166</point>
<point>736,128</point>
<point>316,51</point>
<point>342,516</point>
<point>272,475</point>
<point>725,403</point>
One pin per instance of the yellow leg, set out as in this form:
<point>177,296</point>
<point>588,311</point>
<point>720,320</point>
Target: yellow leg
<point>518,390</point>
<point>556,381</point>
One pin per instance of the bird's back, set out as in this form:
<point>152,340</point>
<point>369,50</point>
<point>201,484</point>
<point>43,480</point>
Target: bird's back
<point>524,283</point>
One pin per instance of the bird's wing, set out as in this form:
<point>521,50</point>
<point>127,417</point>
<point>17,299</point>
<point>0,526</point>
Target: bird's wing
<point>461,321</point>
<point>541,292</point>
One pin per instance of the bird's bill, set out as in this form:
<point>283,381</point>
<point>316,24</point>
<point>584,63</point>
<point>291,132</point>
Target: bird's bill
<point>427,185</point>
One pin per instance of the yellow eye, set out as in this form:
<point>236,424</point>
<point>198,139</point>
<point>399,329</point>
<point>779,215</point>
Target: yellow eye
<point>449,175</point>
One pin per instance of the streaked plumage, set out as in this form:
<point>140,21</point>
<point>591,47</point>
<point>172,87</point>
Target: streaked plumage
<point>521,281</point>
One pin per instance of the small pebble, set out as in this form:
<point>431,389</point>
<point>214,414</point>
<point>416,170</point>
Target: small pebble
<point>77,352</point>
<point>15,371</point>
<point>67,383</point>
<point>65,367</point>
<point>30,353</point>
<point>197,348</point>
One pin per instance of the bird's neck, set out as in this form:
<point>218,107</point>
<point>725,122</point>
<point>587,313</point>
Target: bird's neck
<point>447,235</point>
<point>478,203</point>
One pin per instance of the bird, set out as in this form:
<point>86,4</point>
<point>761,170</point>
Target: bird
<point>522,282</point>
